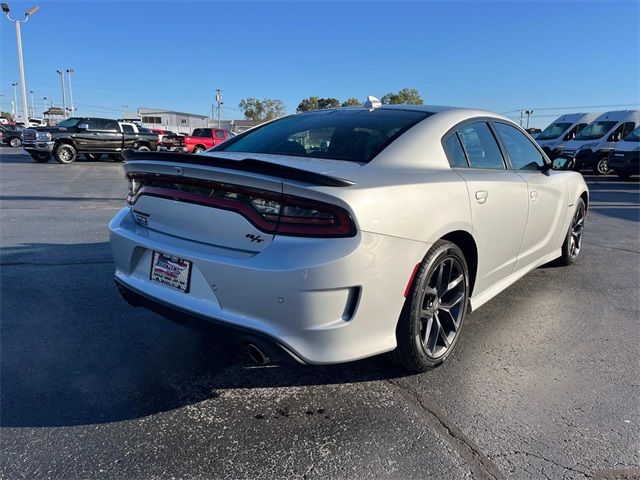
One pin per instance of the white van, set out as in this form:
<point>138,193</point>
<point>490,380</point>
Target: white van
<point>592,145</point>
<point>624,160</point>
<point>563,129</point>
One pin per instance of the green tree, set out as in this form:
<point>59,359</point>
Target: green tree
<point>328,103</point>
<point>408,96</point>
<point>317,103</point>
<point>265,109</point>
<point>308,104</point>
<point>352,102</point>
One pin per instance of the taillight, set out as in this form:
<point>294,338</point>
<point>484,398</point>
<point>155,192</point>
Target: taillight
<point>270,212</point>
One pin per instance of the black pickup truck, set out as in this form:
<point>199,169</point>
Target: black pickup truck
<point>92,137</point>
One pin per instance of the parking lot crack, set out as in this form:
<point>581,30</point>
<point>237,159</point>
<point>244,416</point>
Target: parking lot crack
<point>481,465</point>
<point>548,460</point>
<point>611,248</point>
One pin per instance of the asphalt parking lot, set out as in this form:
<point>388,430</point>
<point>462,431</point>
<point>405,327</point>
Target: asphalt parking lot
<point>545,382</point>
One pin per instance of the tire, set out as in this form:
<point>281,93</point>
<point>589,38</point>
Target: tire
<point>143,148</point>
<point>40,157</point>
<point>601,166</point>
<point>424,339</point>
<point>573,241</point>
<point>65,153</point>
<point>15,142</point>
<point>198,150</point>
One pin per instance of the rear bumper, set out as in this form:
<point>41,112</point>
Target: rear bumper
<point>321,300</point>
<point>162,148</point>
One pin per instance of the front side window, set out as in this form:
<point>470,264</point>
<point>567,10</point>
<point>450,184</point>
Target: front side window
<point>110,125</point>
<point>127,128</point>
<point>553,131</point>
<point>69,122</point>
<point>522,153</point>
<point>595,130</point>
<point>634,136</point>
<point>481,146</point>
<point>355,135</point>
<point>197,133</point>
<point>455,153</point>
<point>627,129</point>
<point>219,134</point>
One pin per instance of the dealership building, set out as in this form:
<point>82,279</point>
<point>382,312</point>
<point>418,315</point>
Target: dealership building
<point>179,122</point>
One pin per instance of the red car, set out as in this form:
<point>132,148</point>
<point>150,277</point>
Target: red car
<point>200,140</point>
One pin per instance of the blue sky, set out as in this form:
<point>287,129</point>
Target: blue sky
<point>499,56</point>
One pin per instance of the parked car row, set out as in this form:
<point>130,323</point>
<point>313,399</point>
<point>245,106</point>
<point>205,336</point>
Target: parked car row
<point>94,137</point>
<point>594,141</point>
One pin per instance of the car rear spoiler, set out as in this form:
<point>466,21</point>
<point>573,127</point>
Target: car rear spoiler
<point>246,165</point>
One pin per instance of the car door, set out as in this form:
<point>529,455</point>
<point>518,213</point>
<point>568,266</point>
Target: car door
<point>110,138</point>
<point>497,199</point>
<point>129,135</point>
<point>547,194</point>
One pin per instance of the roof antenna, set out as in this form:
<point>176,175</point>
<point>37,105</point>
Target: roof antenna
<point>372,102</point>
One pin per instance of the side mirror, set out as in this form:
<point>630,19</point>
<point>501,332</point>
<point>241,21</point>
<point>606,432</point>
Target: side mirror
<point>83,126</point>
<point>562,163</point>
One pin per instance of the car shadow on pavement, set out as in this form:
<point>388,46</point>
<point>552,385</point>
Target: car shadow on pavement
<point>74,353</point>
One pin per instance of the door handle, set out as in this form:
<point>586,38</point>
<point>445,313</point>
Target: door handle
<point>481,196</point>
<point>533,194</point>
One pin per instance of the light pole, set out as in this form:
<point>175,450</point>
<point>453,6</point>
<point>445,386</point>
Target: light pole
<point>528,113</point>
<point>69,72</point>
<point>33,108</point>
<point>27,15</point>
<point>64,95</point>
<point>14,110</point>
<point>219,102</point>
<point>44,99</point>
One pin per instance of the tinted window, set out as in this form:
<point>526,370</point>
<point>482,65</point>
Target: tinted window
<point>480,146</point>
<point>553,131</point>
<point>522,153</point>
<point>595,130</point>
<point>354,135</point>
<point>93,123</point>
<point>455,153</point>
<point>110,125</point>
<point>127,128</point>
<point>102,124</point>
<point>628,128</point>
<point>197,132</point>
<point>219,134</point>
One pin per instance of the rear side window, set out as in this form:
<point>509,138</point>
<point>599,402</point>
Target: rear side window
<point>219,134</point>
<point>480,146</point>
<point>455,153</point>
<point>127,128</point>
<point>522,153</point>
<point>355,135</point>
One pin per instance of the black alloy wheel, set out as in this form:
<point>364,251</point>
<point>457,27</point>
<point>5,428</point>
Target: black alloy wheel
<point>435,308</point>
<point>573,241</point>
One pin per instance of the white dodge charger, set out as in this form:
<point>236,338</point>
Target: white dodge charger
<point>339,234</point>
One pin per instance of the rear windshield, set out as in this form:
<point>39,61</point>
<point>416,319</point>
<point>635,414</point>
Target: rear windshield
<point>353,135</point>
